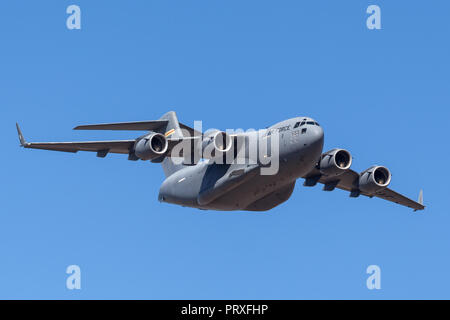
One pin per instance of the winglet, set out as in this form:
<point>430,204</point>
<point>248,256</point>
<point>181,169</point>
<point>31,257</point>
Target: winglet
<point>420,200</point>
<point>21,138</point>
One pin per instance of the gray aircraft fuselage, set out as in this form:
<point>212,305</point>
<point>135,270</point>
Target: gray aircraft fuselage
<point>299,150</point>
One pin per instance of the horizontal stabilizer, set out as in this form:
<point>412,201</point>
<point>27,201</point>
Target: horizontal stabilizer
<point>128,126</point>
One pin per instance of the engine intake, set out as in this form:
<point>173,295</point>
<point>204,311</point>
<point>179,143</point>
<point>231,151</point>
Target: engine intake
<point>374,179</point>
<point>151,146</point>
<point>335,162</point>
<point>216,144</point>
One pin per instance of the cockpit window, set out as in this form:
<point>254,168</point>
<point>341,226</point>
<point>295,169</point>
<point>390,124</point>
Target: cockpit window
<point>299,124</point>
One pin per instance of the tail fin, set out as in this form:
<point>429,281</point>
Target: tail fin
<point>172,130</point>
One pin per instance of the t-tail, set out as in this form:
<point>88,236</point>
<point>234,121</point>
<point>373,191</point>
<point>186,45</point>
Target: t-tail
<point>173,131</point>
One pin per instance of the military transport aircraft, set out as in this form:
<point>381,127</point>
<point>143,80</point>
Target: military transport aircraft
<point>207,180</point>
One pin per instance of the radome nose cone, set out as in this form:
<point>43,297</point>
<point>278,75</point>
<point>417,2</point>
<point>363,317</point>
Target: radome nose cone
<point>316,135</point>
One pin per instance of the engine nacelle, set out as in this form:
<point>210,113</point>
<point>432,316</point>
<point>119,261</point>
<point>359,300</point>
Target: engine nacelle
<point>335,162</point>
<point>216,144</point>
<point>151,146</point>
<point>374,179</point>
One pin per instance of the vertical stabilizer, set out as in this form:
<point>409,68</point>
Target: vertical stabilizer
<point>171,131</point>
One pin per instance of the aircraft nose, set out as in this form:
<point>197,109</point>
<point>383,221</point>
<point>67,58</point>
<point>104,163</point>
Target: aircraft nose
<point>316,134</point>
<point>316,137</point>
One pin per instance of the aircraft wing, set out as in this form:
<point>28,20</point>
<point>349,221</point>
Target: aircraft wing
<point>191,131</point>
<point>349,181</point>
<point>101,147</point>
<point>115,146</point>
<point>104,147</point>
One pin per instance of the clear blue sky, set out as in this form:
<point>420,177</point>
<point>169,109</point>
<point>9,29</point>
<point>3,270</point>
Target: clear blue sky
<point>384,95</point>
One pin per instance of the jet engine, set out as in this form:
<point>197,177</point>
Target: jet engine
<point>151,146</point>
<point>335,162</point>
<point>216,144</point>
<point>374,179</point>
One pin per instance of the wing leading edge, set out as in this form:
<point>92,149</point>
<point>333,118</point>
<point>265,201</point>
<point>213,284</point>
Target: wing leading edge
<point>349,181</point>
<point>101,147</point>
